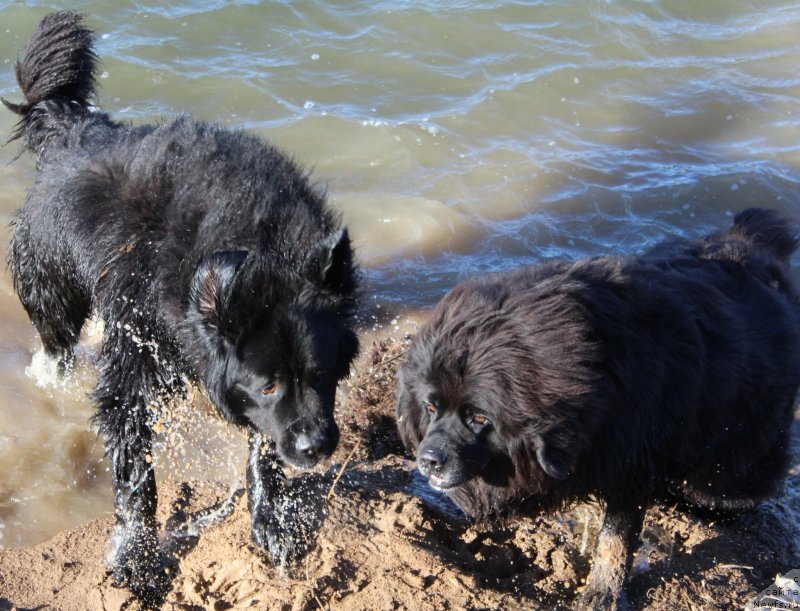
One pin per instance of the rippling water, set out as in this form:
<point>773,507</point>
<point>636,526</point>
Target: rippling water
<point>455,138</point>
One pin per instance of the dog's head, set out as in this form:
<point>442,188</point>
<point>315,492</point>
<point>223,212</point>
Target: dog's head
<point>277,339</point>
<point>488,393</point>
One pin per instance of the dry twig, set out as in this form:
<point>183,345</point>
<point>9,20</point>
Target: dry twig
<point>344,465</point>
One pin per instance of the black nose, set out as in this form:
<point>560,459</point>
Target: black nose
<point>431,461</point>
<point>310,444</point>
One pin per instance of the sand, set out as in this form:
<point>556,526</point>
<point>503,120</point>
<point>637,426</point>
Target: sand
<point>386,541</point>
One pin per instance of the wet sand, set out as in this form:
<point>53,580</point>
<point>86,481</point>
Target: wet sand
<point>387,542</point>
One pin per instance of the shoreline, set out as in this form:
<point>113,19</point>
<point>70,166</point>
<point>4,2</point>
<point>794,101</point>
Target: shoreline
<point>382,545</point>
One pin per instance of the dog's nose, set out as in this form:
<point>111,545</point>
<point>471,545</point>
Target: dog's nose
<point>431,460</point>
<point>310,444</point>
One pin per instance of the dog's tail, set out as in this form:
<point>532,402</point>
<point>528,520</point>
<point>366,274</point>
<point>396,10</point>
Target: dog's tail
<point>766,230</point>
<point>56,76</point>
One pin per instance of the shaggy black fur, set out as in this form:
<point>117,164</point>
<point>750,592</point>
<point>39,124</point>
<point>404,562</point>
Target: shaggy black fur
<point>618,378</point>
<point>209,256</point>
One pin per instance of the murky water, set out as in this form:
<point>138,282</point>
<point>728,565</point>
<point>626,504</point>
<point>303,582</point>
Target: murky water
<point>455,137</point>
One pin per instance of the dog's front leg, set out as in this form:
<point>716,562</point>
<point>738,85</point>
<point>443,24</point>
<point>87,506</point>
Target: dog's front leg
<point>616,544</point>
<point>277,513</point>
<point>138,561</point>
<point>125,393</point>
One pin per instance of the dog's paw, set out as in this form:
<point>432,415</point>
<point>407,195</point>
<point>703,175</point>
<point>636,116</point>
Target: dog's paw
<point>283,537</point>
<point>140,565</point>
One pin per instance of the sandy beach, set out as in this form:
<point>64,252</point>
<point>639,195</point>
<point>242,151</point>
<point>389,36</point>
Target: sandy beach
<point>383,540</point>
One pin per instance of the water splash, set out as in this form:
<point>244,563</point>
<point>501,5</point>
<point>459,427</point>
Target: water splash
<point>44,371</point>
<point>193,442</point>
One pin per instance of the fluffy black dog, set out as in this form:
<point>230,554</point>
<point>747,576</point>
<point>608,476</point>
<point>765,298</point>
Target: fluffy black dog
<point>209,256</point>
<point>618,378</point>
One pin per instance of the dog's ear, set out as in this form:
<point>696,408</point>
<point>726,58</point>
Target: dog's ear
<point>554,461</point>
<point>407,417</point>
<point>211,285</point>
<point>346,352</point>
<point>331,265</point>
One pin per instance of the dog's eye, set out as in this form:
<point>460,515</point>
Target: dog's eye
<point>478,420</point>
<point>430,406</point>
<point>269,389</point>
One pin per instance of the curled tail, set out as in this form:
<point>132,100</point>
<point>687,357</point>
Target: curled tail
<point>56,76</point>
<point>761,241</point>
<point>766,230</point>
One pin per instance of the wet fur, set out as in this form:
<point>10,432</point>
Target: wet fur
<point>617,378</point>
<point>209,255</point>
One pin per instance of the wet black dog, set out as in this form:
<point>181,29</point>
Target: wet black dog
<point>209,256</point>
<point>621,379</point>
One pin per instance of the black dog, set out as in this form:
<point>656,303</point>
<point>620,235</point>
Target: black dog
<point>209,256</point>
<point>620,379</point>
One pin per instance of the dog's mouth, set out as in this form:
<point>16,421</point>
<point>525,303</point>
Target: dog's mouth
<point>302,463</point>
<point>438,483</point>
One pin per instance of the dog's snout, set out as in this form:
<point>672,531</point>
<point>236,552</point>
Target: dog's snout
<point>431,461</point>
<point>310,444</point>
<point>306,444</point>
